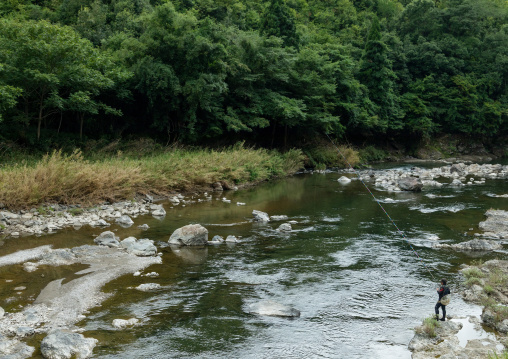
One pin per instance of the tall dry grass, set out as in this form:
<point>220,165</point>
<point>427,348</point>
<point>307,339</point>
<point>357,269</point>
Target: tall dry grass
<point>71,179</point>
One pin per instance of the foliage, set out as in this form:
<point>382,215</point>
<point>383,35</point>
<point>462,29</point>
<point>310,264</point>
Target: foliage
<point>274,72</point>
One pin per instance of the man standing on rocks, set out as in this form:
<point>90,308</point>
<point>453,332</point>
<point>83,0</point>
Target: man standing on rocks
<point>442,291</point>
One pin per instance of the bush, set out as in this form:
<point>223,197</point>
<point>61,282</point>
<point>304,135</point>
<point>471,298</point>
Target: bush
<point>429,327</point>
<point>473,272</point>
<point>372,154</point>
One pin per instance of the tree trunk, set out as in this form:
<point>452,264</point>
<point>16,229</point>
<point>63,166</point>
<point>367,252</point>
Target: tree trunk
<point>39,123</point>
<point>60,123</point>
<point>82,116</point>
<point>273,132</point>
<point>285,137</point>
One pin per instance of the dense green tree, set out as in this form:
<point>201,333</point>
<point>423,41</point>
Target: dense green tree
<point>55,68</point>
<point>377,74</point>
<point>278,21</point>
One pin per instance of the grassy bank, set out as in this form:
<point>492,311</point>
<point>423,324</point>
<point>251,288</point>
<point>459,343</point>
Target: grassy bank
<point>72,179</point>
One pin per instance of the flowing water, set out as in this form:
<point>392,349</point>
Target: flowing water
<point>358,285</point>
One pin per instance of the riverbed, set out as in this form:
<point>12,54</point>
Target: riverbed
<point>358,285</point>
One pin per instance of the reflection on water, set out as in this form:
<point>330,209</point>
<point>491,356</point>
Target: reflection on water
<point>358,286</point>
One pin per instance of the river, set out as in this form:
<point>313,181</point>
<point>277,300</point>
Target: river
<point>359,286</point>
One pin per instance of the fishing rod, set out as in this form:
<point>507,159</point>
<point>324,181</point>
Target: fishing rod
<point>380,205</point>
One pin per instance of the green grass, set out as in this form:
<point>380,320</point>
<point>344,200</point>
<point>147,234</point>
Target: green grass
<point>74,179</point>
<point>429,326</point>
<point>503,355</point>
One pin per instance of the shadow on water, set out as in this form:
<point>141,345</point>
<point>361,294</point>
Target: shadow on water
<point>358,285</point>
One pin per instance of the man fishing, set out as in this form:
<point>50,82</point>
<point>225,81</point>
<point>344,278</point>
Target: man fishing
<point>442,292</point>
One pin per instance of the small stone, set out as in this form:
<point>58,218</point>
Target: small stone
<point>19,288</point>
<point>122,323</point>
<point>285,227</point>
<point>143,226</point>
<point>147,287</point>
<point>2,312</point>
<point>125,221</point>
<point>136,274</point>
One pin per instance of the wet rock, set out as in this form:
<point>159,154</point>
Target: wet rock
<point>217,186</point>
<point>344,180</point>
<point>272,308</point>
<point>260,216</point>
<point>282,217</point>
<point>410,184</point>
<point>24,255</point>
<point>174,200</point>
<point>20,288</point>
<point>65,345</point>
<point>125,221</point>
<point>477,245</point>
<point>496,222</point>
<point>143,226</point>
<point>147,287</point>
<point>142,247</point>
<point>107,239</point>
<point>190,235</point>
<point>285,227</point>
<point>148,198</point>
<point>217,240</point>
<point>122,323</point>
<point>14,349</point>
<point>232,239</point>
<point>23,332</point>
<point>456,183</point>
<point>2,312</point>
<point>159,212</point>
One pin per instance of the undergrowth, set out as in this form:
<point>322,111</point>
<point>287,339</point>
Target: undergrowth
<point>429,326</point>
<point>72,179</point>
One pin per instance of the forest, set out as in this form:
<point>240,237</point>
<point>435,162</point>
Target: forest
<point>275,73</point>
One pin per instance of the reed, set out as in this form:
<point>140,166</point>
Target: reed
<point>72,179</point>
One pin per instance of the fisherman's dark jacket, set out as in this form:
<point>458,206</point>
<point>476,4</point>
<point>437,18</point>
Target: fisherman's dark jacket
<point>443,290</point>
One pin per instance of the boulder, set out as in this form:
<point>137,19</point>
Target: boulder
<point>122,323</point>
<point>65,345</point>
<point>143,247</point>
<point>232,239</point>
<point>125,221</point>
<point>456,183</point>
<point>260,216</point>
<point>285,227</point>
<point>108,239</point>
<point>496,222</point>
<point>190,235</point>
<point>271,308</point>
<point>344,180</point>
<point>158,210</point>
<point>410,184</point>
<point>14,349</point>
<point>477,245</point>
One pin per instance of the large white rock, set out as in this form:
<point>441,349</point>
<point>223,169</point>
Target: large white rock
<point>344,180</point>
<point>125,221</point>
<point>190,235</point>
<point>142,247</point>
<point>108,239</point>
<point>147,287</point>
<point>285,227</point>
<point>66,345</point>
<point>260,216</point>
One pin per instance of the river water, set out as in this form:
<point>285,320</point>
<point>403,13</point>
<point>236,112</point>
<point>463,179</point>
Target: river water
<point>358,285</point>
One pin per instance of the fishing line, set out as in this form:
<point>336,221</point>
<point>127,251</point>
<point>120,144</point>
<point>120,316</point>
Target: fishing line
<point>380,205</point>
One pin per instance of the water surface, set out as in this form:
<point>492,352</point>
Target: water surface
<point>358,285</point>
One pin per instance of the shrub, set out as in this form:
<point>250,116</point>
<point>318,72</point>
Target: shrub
<point>429,326</point>
<point>473,272</point>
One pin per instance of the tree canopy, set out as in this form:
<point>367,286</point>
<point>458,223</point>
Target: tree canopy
<point>197,71</point>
